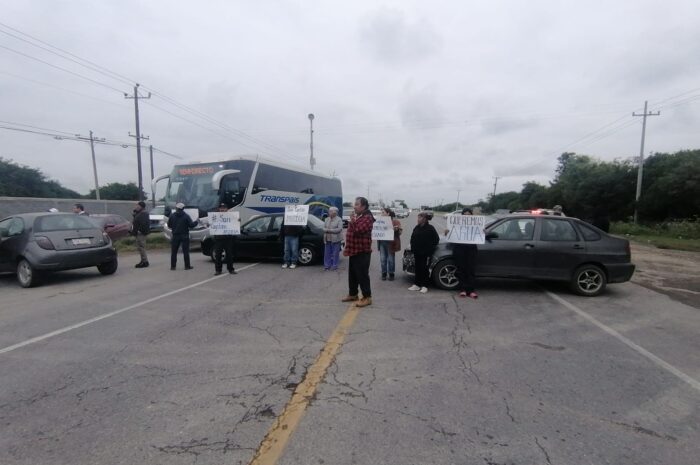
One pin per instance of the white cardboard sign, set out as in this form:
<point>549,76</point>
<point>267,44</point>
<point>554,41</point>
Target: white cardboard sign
<point>193,213</point>
<point>296,215</point>
<point>383,229</point>
<point>465,229</point>
<point>224,223</point>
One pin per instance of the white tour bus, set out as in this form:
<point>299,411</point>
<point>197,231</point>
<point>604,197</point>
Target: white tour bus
<point>250,185</point>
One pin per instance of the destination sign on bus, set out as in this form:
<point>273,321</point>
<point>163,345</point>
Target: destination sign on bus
<point>195,170</point>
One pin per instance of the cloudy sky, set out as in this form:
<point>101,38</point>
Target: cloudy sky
<point>413,100</point>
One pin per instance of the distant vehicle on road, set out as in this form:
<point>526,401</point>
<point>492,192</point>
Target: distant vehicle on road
<point>402,212</point>
<point>347,213</point>
<point>157,218</point>
<point>117,227</point>
<point>32,244</point>
<point>544,248</point>
<point>259,239</point>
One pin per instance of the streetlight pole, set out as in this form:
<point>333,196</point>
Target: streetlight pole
<point>458,191</point>
<point>312,161</point>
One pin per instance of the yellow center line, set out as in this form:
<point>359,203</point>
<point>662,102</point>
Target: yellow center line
<point>278,436</point>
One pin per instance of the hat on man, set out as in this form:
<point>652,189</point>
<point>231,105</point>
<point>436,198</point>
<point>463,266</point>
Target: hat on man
<point>180,206</point>
<point>141,204</point>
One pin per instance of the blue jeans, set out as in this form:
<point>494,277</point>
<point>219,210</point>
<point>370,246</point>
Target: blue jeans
<point>386,257</point>
<point>291,249</point>
<point>330,255</point>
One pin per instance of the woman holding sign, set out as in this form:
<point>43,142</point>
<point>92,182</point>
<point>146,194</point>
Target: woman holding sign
<point>465,259</point>
<point>423,242</point>
<point>332,237</point>
<point>388,249</point>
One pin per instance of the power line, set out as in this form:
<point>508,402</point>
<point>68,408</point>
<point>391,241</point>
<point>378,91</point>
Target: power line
<point>62,69</point>
<point>90,65</point>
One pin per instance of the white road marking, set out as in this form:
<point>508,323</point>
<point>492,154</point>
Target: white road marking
<point>641,350</point>
<point>110,314</point>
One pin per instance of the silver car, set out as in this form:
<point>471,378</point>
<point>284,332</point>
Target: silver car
<point>32,244</point>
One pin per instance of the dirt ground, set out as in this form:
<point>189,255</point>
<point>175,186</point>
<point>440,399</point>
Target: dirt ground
<point>672,272</point>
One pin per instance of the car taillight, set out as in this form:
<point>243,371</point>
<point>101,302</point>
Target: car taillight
<point>44,242</point>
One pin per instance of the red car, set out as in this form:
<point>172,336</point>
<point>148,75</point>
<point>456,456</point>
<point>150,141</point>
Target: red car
<point>116,227</point>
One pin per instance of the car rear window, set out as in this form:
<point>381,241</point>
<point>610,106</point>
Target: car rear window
<point>589,234</point>
<point>62,223</point>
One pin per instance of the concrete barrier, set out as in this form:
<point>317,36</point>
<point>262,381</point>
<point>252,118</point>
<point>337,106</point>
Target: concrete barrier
<point>13,205</point>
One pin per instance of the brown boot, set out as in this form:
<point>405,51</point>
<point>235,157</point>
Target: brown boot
<point>363,302</point>
<point>349,298</point>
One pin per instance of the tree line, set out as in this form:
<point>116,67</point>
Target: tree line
<point>588,188</point>
<point>23,181</point>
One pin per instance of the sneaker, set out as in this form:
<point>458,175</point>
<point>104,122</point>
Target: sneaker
<point>232,272</point>
<point>285,265</point>
<point>423,290</point>
<point>363,302</point>
<point>189,268</point>
<point>473,295</point>
<point>391,276</point>
<point>144,265</point>
<point>217,272</point>
<point>463,294</point>
<point>172,268</point>
<point>139,265</point>
<point>414,288</point>
<point>383,276</point>
<point>335,268</point>
<point>349,298</point>
<point>292,266</point>
<point>325,269</point>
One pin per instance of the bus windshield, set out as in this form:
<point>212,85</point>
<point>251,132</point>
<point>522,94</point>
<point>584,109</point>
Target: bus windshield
<point>191,185</point>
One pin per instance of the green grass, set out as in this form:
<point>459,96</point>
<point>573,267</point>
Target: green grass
<point>676,235</point>
<point>153,241</point>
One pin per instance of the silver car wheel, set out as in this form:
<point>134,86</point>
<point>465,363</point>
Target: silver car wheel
<point>25,273</point>
<point>590,281</point>
<point>447,276</point>
<point>306,255</point>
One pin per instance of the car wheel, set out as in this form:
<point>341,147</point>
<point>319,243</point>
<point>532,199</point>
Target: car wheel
<point>444,275</point>
<point>589,281</point>
<point>307,255</point>
<point>26,274</point>
<point>108,267</point>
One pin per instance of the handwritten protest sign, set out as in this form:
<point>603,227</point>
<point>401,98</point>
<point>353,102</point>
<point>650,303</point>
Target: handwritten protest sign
<point>383,230</point>
<point>296,215</point>
<point>465,229</point>
<point>193,213</point>
<point>224,223</point>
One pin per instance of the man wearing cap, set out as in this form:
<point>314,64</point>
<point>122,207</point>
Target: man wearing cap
<point>140,227</point>
<point>223,244</point>
<point>180,224</point>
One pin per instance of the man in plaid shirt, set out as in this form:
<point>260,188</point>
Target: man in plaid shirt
<point>358,246</point>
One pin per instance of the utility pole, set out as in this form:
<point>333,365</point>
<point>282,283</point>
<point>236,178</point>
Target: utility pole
<point>94,163</point>
<point>495,183</point>
<point>312,160</point>
<point>153,191</point>
<point>640,169</point>
<point>458,191</point>
<point>136,98</point>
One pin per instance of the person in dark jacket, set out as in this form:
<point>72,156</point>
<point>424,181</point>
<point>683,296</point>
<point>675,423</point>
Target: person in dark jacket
<point>290,235</point>
<point>180,224</point>
<point>465,258</point>
<point>140,227</point>
<point>423,242</point>
<point>223,244</point>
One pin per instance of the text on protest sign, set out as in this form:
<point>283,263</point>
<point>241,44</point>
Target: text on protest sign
<point>465,229</point>
<point>224,223</point>
<point>296,215</point>
<point>383,229</point>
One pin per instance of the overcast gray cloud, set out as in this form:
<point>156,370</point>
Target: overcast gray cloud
<point>413,100</point>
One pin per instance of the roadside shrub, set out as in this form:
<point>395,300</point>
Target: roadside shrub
<point>685,229</point>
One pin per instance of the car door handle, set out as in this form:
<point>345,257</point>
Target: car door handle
<point>529,246</point>
<point>578,247</point>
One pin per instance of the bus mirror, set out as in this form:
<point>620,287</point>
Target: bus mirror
<point>218,176</point>
<point>157,180</point>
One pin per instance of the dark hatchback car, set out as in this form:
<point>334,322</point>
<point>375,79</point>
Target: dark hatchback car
<point>34,243</point>
<point>260,239</point>
<point>117,227</point>
<point>542,248</point>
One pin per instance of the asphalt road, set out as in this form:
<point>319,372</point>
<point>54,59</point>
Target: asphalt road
<point>160,367</point>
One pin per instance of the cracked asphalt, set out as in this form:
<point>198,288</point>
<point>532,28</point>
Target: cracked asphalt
<point>199,376</point>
